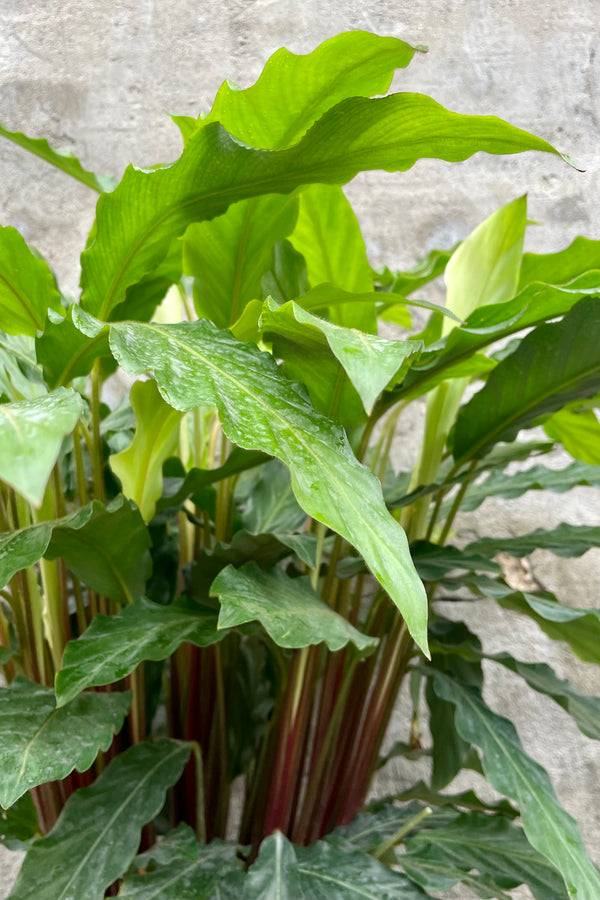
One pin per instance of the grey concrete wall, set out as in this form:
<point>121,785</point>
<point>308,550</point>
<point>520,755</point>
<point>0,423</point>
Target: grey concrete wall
<point>97,77</point>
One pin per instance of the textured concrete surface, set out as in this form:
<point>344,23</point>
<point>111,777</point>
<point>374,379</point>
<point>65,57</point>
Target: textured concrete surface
<point>98,78</point>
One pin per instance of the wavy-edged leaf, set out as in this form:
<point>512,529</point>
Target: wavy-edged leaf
<point>98,832</point>
<point>62,159</point>
<point>195,363</point>
<point>327,296</point>
<point>27,286</point>
<point>578,432</point>
<point>322,872</point>
<point>427,269</point>
<point>229,255</point>
<point>215,170</point>
<point>19,825</point>
<point>547,826</point>
<point>552,365</point>
<point>492,854</point>
<point>465,800</point>
<point>565,540</point>
<point>65,352</point>
<point>289,609</point>
<point>433,561</point>
<point>139,467</point>
<point>113,646</point>
<point>40,743</point>
<point>31,433</point>
<point>582,257</point>
<point>294,90</point>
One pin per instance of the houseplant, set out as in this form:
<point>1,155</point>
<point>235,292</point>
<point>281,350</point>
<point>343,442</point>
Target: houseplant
<point>189,572</point>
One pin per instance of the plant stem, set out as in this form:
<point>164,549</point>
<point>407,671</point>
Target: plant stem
<point>384,848</point>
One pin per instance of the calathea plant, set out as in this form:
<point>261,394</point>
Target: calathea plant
<point>209,600</point>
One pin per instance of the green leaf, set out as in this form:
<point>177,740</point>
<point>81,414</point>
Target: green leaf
<point>65,353</point>
<point>322,872</point>
<point>98,831</point>
<point>564,540</point>
<point>27,286</point>
<point>578,432</point>
<point>195,363</point>
<point>187,870</point>
<point>427,269</point>
<point>137,222</point>
<point>31,433</point>
<point>380,822</point>
<point>139,467</point>
<point>327,296</point>
<point>433,561</point>
<point>579,258</point>
<point>491,851</point>
<point>465,800</point>
<point>293,91</point>
<point>61,159</point>
<point>553,364</point>
<point>229,255</point>
<point>176,490</point>
<point>370,362</point>
<point>113,646</point>
<point>269,502</point>
<point>19,825</point>
<point>547,826</point>
<point>40,743</point>
<point>289,609</point>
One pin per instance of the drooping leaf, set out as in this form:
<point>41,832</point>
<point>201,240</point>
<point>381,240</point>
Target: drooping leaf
<point>490,851</point>
<point>137,222</point>
<point>552,365</point>
<point>98,831</point>
<point>578,432</point>
<point>328,296</point>
<point>65,352</point>
<point>27,287</point>
<point>187,870</point>
<point>40,743</point>
<point>465,800</point>
<point>547,826</point>
<point>31,433</point>
<point>139,467</point>
<point>293,91</point>
<point>229,255</point>
<point>113,646</point>
<point>322,872</point>
<point>289,609</point>
<point>564,540</point>
<point>19,825</point>
<point>62,159</point>
<point>195,363</point>
<point>433,561</point>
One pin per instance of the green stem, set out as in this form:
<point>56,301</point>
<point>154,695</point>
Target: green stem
<point>401,833</point>
<point>200,805</point>
<point>97,461</point>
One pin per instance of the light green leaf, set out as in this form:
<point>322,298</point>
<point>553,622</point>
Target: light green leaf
<point>293,91</point>
<point>195,363</point>
<point>547,826</point>
<point>31,433</point>
<point>322,872</point>
<point>113,646</point>
<point>27,287</point>
<point>582,257</point>
<point>370,362</point>
<point>427,269</point>
<point>564,540</point>
<point>552,365</point>
<point>137,222</point>
<point>139,467</point>
<point>65,353</point>
<point>291,612</point>
<point>325,296</point>
<point>229,255</point>
<point>40,743</point>
<point>61,159</point>
<point>98,831</point>
<point>578,432</point>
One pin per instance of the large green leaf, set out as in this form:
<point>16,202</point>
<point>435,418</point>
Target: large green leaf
<point>98,831</point>
<point>293,91</point>
<point>482,851</point>
<point>554,364</point>
<point>27,287</point>
<point>269,502</point>
<point>40,743</point>
<point>31,433</point>
<point>113,646</point>
<point>65,352</point>
<point>564,540</point>
<point>229,255</point>
<point>139,467</point>
<point>63,159</point>
<point>547,826</point>
<point>582,256</point>
<point>138,221</point>
<point>19,825</point>
<point>578,432</point>
<point>289,609</point>
<point>322,872</point>
<point>195,363</point>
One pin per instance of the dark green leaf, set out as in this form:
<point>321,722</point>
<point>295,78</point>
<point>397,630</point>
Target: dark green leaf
<point>564,540</point>
<point>98,831</point>
<point>465,800</point>
<point>433,561</point>
<point>40,743</point>
<point>289,609</point>
<point>176,490</point>
<point>113,646</point>
<point>65,353</point>
<point>61,159</point>
<point>19,825</point>
<point>547,826</point>
<point>27,287</point>
<point>270,505</point>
